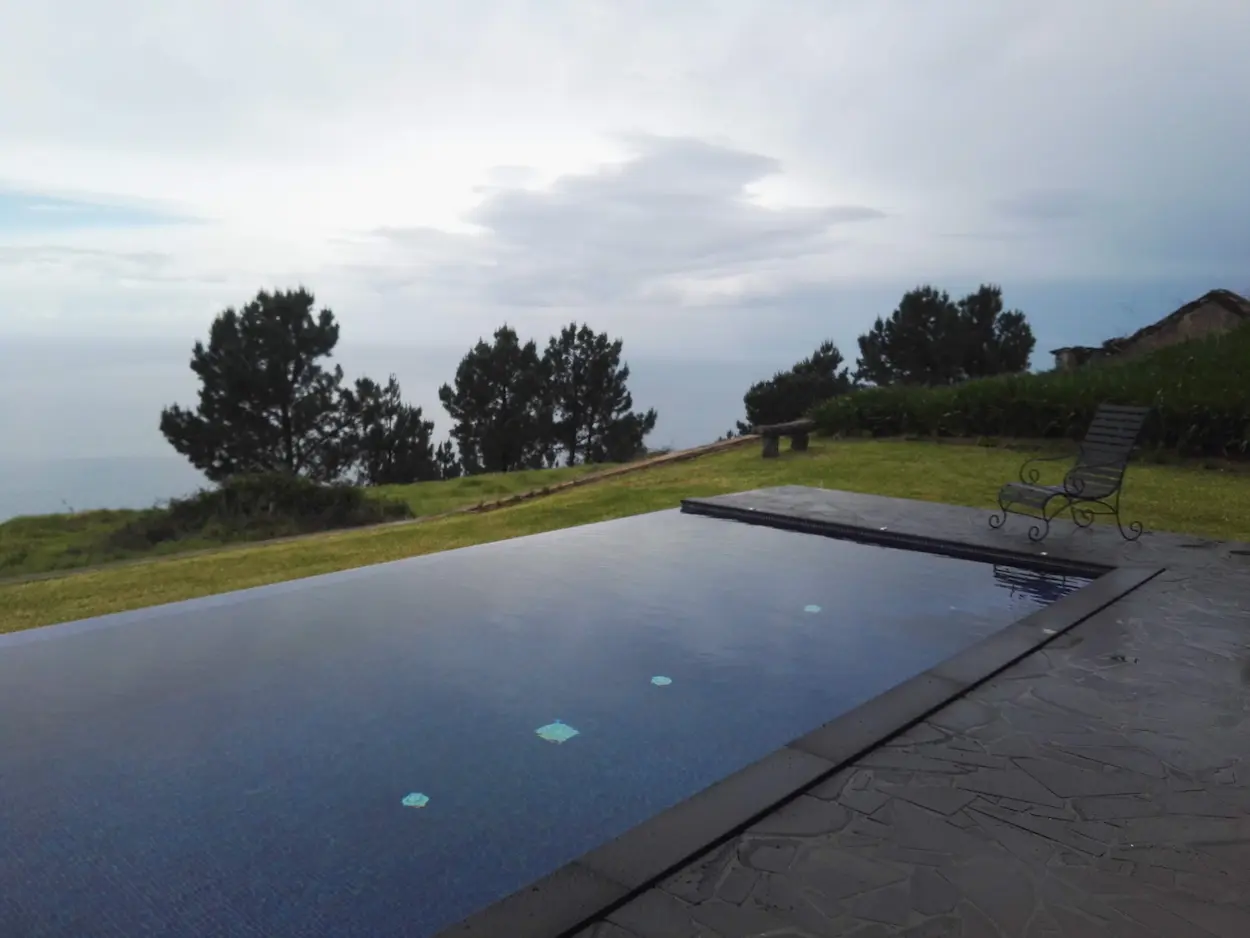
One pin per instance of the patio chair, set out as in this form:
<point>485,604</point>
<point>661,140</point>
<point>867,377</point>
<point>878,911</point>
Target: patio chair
<point>1091,486</point>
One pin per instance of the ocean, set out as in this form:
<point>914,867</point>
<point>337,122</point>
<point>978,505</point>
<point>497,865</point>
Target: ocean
<point>48,485</point>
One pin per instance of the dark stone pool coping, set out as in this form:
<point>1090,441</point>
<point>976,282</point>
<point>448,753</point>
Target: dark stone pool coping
<point>597,883</point>
<point>885,537</point>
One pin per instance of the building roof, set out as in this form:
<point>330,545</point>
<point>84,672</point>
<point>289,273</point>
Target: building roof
<point>1234,303</point>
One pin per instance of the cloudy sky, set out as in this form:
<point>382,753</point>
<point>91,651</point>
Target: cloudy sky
<point>721,183</point>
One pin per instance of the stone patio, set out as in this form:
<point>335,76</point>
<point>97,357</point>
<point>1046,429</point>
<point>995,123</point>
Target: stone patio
<point>1098,787</point>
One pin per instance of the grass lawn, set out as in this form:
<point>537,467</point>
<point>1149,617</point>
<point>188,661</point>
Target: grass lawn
<point>1163,497</point>
<point>44,543</point>
<point>434,498</point>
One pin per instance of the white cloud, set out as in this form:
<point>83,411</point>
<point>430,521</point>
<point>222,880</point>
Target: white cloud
<point>676,212</point>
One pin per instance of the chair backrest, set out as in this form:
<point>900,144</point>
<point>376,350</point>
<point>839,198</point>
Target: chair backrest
<point>1104,453</point>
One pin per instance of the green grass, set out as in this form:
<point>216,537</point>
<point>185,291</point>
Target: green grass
<point>1164,497</point>
<point>46,543</point>
<point>434,498</point>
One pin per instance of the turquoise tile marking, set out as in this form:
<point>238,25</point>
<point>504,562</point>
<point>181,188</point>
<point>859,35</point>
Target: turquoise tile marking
<point>811,609</point>
<point>659,681</point>
<point>416,800</point>
<point>556,732</point>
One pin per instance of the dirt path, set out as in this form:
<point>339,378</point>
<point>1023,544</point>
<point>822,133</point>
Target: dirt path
<point>589,479</point>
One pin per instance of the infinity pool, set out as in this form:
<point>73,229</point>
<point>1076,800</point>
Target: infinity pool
<point>385,751</point>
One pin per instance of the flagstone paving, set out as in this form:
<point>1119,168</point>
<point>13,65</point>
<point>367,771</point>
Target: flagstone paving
<point>1099,787</point>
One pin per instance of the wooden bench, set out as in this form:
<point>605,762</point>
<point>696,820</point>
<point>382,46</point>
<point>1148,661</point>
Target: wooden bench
<point>797,430</point>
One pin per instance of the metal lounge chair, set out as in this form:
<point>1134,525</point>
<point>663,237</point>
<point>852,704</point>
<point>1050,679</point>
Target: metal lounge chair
<point>1091,487</point>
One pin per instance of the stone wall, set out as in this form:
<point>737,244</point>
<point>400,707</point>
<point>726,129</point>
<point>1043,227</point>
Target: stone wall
<point>1069,359</point>
<point>1208,319</point>
<point>1216,312</point>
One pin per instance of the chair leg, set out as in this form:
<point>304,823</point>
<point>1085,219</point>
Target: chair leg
<point>1134,526</point>
<point>1038,532</point>
<point>999,518</point>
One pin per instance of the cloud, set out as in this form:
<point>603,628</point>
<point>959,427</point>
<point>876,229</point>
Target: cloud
<point>43,263</point>
<point>677,213</point>
<point>1051,204</point>
<point>671,172</point>
<point>24,212</point>
<point>727,181</point>
<point>52,256</point>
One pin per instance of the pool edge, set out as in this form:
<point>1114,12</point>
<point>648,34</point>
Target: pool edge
<point>597,883</point>
<point>883,537</point>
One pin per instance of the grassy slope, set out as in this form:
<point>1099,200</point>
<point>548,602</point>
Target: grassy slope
<point>1170,498</point>
<point>434,498</point>
<point>41,543</point>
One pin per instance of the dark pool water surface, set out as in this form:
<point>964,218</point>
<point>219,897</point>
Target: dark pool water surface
<point>360,755</point>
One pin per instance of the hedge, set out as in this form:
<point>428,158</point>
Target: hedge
<point>1199,392</point>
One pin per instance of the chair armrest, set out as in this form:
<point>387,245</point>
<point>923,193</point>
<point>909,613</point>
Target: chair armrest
<point>1029,474</point>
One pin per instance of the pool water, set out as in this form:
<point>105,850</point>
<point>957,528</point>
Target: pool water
<point>386,751</point>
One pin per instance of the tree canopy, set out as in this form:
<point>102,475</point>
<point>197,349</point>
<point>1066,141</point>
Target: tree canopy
<point>789,395</point>
<point>592,417</point>
<point>266,401</point>
<point>270,403</point>
<point>512,408</point>
<point>500,415</point>
<point>386,441</point>
<point>448,461</point>
<point>931,339</point>
<point>995,342</point>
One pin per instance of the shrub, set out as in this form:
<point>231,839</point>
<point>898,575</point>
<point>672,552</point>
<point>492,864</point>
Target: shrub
<point>1198,392</point>
<point>257,506</point>
<point>788,395</point>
